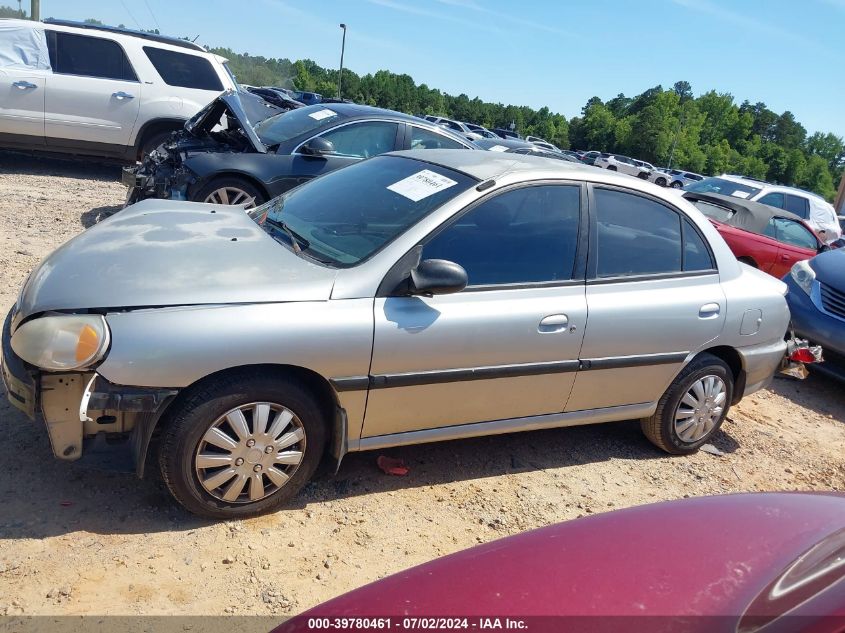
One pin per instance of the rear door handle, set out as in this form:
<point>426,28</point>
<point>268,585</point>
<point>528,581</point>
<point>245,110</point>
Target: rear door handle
<point>553,323</point>
<point>24,85</point>
<point>709,311</point>
<point>120,96</point>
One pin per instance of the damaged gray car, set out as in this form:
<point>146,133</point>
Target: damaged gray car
<point>413,297</point>
<point>231,154</point>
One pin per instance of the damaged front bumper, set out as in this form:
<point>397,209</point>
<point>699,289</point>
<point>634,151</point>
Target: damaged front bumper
<point>155,181</point>
<point>88,419</point>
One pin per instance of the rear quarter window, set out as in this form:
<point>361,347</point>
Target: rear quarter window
<point>183,70</point>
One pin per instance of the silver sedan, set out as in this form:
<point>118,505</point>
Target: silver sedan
<point>414,297</point>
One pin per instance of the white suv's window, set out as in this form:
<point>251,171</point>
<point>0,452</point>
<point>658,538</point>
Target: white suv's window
<point>798,205</point>
<point>85,56</point>
<point>774,199</point>
<point>183,70</point>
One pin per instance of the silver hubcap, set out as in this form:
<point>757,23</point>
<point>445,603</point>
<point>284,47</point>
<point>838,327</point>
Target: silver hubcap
<point>700,409</point>
<point>250,452</point>
<point>231,195</point>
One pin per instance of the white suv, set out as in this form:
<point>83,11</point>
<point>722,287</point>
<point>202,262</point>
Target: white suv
<point>622,164</point>
<point>812,208</point>
<point>100,91</point>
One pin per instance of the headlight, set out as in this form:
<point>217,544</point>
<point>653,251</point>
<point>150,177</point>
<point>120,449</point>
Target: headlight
<point>803,275</point>
<point>62,342</point>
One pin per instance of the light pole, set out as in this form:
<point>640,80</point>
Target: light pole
<point>340,74</point>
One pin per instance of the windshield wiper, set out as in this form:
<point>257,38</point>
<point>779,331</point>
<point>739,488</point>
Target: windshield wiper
<point>297,241</point>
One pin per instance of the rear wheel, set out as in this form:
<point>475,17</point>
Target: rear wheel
<point>748,260</point>
<point>239,447</point>
<point>693,407</point>
<point>677,184</point>
<point>611,167</point>
<point>230,190</point>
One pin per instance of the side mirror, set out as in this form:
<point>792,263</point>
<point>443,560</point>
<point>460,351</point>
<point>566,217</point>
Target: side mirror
<point>317,147</point>
<point>437,277</point>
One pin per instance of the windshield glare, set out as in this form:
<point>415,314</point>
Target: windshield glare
<point>723,186</point>
<point>348,215</point>
<point>289,125</point>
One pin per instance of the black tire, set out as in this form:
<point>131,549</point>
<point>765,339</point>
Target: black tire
<point>661,182</point>
<point>231,182</point>
<point>201,407</point>
<point>611,168</point>
<point>677,184</point>
<point>153,141</point>
<point>660,427</point>
<point>748,260</point>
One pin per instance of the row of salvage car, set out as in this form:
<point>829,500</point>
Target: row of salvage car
<point>222,157</point>
<point>434,293</point>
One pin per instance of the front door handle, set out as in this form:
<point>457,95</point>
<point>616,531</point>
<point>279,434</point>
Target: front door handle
<point>554,323</point>
<point>24,85</point>
<point>709,311</point>
<point>120,96</point>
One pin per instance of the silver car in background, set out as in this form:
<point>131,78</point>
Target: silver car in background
<point>413,297</point>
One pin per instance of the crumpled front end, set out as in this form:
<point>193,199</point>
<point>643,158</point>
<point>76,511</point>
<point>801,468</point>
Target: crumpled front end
<point>162,174</point>
<point>224,125</point>
<point>88,419</point>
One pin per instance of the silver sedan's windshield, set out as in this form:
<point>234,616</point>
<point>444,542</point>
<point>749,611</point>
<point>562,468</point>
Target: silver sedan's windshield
<point>344,217</point>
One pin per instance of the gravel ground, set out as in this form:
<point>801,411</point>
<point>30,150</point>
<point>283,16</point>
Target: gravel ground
<point>85,542</point>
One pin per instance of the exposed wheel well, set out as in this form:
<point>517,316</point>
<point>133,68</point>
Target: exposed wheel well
<point>733,360</point>
<point>155,127</point>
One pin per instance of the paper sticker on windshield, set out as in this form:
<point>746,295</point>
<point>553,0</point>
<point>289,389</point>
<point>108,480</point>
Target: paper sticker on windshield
<point>498,148</point>
<point>421,185</point>
<point>325,113</point>
<point>740,194</point>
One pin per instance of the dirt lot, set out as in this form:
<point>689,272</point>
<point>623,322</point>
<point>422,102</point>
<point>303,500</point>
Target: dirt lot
<point>83,542</point>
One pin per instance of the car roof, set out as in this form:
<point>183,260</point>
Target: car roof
<point>762,184</point>
<point>154,37</point>
<point>349,110</point>
<point>485,165</point>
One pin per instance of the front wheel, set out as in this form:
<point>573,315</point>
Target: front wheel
<point>677,185</point>
<point>611,168</point>
<point>230,190</point>
<point>660,182</point>
<point>238,447</point>
<point>693,407</point>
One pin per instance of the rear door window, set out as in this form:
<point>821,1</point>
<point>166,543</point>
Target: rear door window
<point>183,70</point>
<point>639,236</point>
<point>798,205</point>
<point>774,199</point>
<point>86,56</point>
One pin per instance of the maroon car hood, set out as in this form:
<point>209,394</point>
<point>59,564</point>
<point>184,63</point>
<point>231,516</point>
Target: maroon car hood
<point>713,556</point>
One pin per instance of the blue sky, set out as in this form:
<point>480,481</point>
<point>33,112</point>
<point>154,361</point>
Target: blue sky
<point>787,53</point>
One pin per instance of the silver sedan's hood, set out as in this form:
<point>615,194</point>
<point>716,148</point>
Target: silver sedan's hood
<point>165,253</point>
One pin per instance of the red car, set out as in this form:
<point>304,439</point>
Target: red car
<point>765,237</point>
<point>743,563</point>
